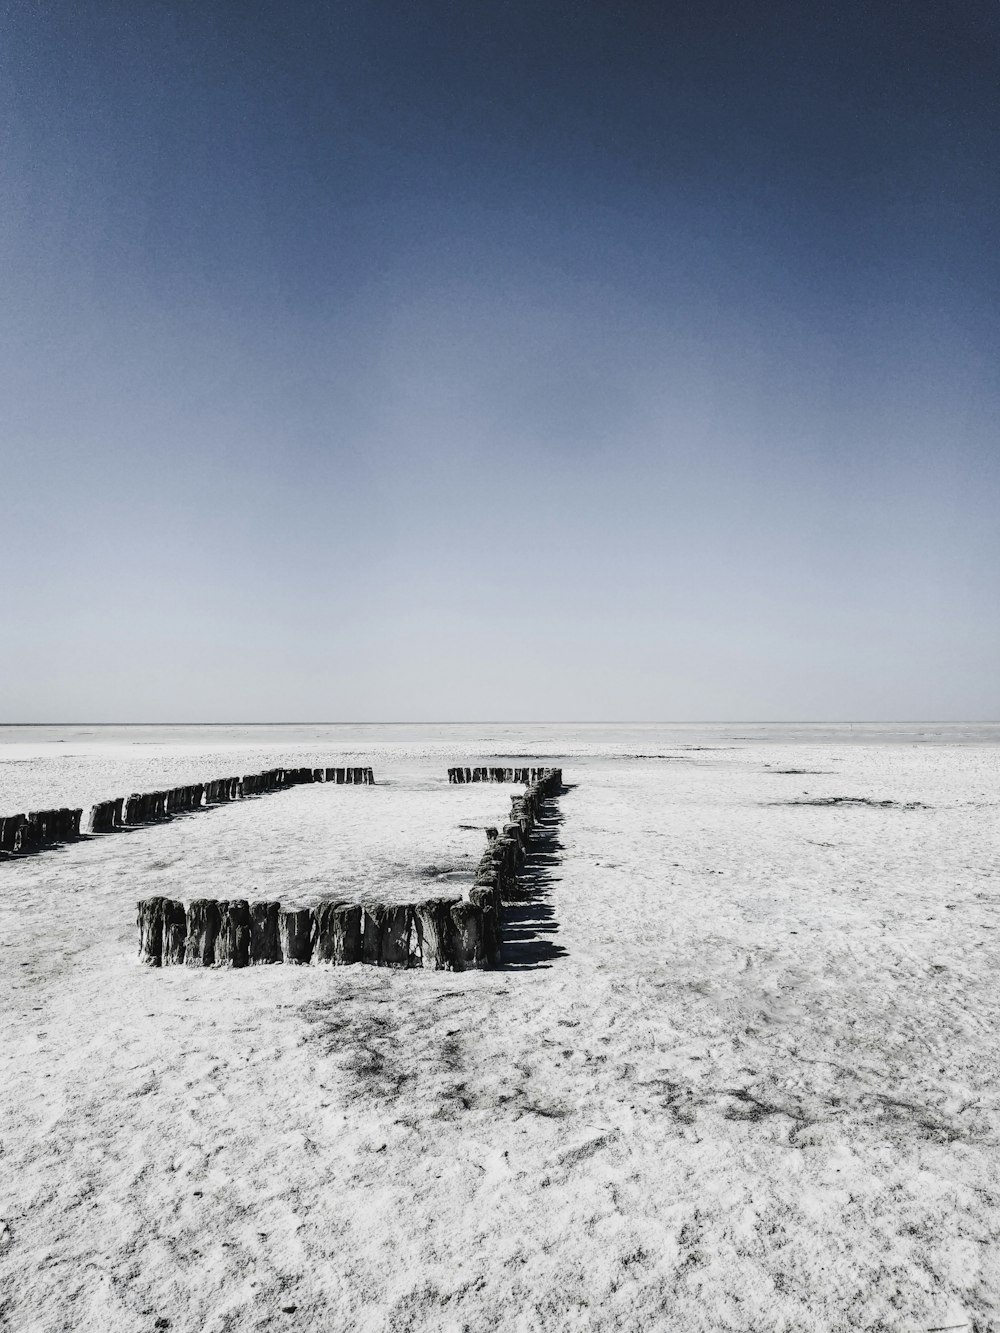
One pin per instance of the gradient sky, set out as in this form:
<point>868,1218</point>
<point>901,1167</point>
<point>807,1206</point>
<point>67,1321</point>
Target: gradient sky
<point>416,360</point>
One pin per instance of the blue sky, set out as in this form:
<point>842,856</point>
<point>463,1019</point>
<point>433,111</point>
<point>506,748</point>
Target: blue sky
<point>531,361</point>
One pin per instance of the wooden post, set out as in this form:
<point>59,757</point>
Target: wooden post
<point>265,944</point>
<point>174,933</point>
<point>32,831</point>
<point>386,936</point>
<point>371,935</point>
<point>338,934</point>
<point>468,937</point>
<point>150,923</point>
<point>232,945</point>
<point>434,930</point>
<point>9,825</point>
<point>295,928</point>
<point>487,900</point>
<point>202,928</point>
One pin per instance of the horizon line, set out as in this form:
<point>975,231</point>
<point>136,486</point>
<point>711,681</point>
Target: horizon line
<point>557,722</point>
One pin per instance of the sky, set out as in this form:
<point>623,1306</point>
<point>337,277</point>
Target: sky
<point>413,360</point>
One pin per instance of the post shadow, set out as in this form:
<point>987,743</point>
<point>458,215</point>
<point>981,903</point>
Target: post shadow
<point>529,917</point>
<point>56,845</point>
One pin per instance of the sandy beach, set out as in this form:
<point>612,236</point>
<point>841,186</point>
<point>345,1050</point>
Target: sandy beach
<point>739,1072</point>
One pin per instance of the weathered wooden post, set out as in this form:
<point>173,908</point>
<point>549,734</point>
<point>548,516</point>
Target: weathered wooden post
<point>386,936</point>
<point>70,824</point>
<point>468,937</point>
<point>174,932</point>
<point>487,900</point>
<point>8,826</point>
<point>434,930</point>
<point>265,944</point>
<point>338,934</point>
<point>295,927</point>
<point>202,929</point>
<point>150,923</point>
<point>232,944</point>
<point>32,831</point>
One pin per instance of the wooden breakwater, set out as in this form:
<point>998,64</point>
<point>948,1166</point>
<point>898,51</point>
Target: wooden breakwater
<point>39,829</point>
<point>439,933</point>
<point>527,775</point>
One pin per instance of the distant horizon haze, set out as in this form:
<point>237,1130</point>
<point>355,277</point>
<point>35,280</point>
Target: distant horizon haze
<point>457,723</point>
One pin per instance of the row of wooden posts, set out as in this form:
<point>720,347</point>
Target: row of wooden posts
<point>528,775</point>
<point>496,876</point>
<point>439,933</point>
<point>38,829</point>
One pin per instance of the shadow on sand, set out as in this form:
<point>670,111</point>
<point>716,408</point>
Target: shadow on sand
<point>529,918</point>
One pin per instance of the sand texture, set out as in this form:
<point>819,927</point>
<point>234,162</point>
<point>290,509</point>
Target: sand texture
<point>740,1070</point>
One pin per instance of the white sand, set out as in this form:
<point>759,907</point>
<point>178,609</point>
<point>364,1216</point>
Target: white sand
<point>753,1081</point>
<point>387,843</point>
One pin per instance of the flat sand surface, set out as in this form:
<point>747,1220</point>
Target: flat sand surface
<point>740,1069</point>
<point>389,843</point>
